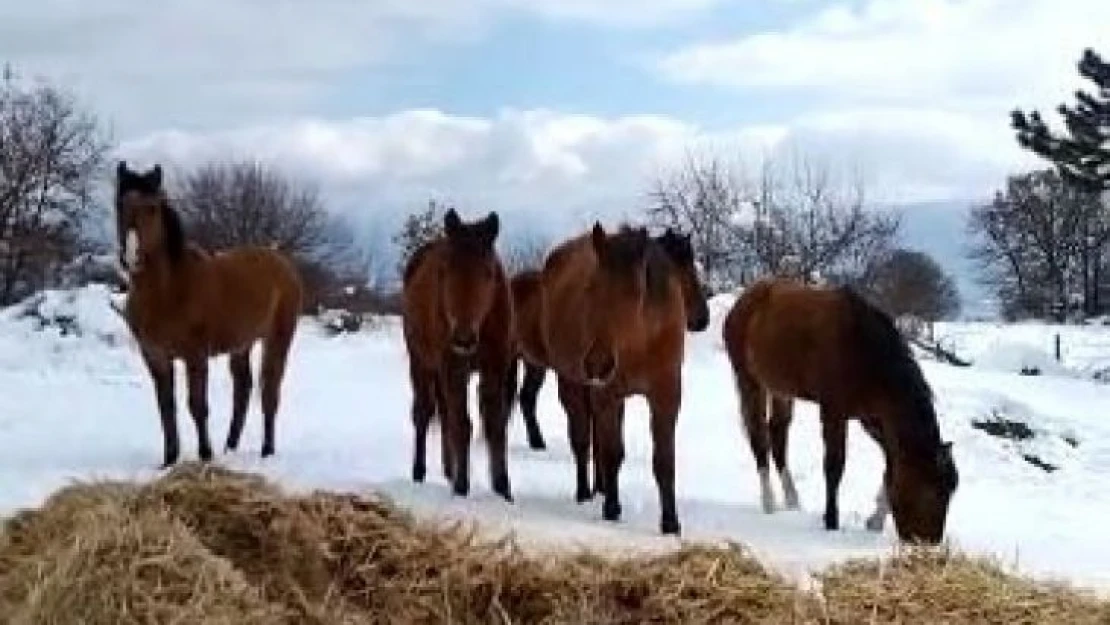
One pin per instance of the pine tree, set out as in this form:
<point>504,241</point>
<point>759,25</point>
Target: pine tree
<point>1082,154</point>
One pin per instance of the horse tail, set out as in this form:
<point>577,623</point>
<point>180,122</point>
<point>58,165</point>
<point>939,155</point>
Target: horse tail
<point>734,331</point>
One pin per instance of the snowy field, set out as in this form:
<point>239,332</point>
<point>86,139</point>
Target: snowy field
<point>81,406</point>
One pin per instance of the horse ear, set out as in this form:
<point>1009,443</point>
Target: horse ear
<point>154,176</point>
<point>451,222</point>
<point>642,240</point>
<point>491,228</point>
<point>597,237</point>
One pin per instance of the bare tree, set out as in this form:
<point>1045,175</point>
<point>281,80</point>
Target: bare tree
<point>417,229</point>
<point>705,199</point>
<point>1041,245</point>
<point>51,151</point>
<point>910,282</point>
<point>225,205</point>
<point>818,221</point>
<point>525,252</point>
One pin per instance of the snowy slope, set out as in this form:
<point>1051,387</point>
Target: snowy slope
<point>80,406</point>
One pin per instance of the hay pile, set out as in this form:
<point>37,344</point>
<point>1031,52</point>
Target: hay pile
<point>208,545</point>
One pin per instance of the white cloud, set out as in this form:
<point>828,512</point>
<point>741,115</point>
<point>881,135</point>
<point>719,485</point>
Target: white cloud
<point>988,53</point>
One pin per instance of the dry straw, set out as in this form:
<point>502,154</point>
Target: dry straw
<point>209,545</point>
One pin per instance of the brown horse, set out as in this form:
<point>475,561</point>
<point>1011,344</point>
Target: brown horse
<point>526,299</point>
<point>186,304</point>
<point>457,319</point>
<point>831,347</point>
<point>612,323</point>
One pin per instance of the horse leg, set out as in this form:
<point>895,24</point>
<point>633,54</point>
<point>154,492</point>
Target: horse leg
<point>574,398</point>
<point>605,410</point>
<point>494,412</point>
<point>834,428</point>
<point>457,428</point>
<point>275,351</point>
<point>161,374</point>
<point>782,412</point>
<point>423,407</point>
<point>753,401</point>
<point>529,395</point>
<point>877,519</point>
<point>196,369</point>
<point>243,384</point>
<point>664,403</point>
<point>446,454</point>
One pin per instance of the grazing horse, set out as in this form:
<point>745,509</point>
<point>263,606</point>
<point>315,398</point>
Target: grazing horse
<point>526,300</point>
<point>831,347</point>
<point>612,324</point>
<point>184,303</point>
<point>457,318</point>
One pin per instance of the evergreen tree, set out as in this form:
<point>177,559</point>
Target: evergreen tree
<point>1083,153</point>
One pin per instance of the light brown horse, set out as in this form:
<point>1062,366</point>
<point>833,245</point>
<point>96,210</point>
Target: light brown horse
<point>457,318</point>
<point>184,303</point>
<point>612,323</point>
<point>831,347</point>
<point>526,317</point>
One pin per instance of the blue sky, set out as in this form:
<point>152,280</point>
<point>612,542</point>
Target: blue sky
<point>558,111</point>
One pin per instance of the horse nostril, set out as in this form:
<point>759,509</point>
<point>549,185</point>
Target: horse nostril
<point>464,341</point>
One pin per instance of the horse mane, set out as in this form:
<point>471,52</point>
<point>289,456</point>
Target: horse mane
<point>887,355</point>
<point>416,259</point>
<point>174,232</point>
<point>659,267</point>
<point>624,248</point>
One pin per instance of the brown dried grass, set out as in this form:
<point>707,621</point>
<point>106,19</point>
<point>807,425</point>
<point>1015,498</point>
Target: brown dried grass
<point>210,545</point>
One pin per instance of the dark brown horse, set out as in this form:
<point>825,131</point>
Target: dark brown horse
<point>526,306</point>
<point>457,318</point>
<point>831,347</point>
<point>612,324</point>
<point>184,303</point>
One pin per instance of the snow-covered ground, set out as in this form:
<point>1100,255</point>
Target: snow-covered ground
<point>81,406</point>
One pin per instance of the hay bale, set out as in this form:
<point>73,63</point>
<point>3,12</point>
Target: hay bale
<point>124,567</point>
<point>937,586</point>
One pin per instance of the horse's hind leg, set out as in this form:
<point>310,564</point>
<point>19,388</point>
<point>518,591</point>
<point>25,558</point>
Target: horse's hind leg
<point>197,373</point>
<point>423,408</point>
<point>753,401</point>
<point>834,428</point>
<point>574,399</point>
<point>242,385</point>
<point>275,351</point>
<point>877,519</point>
<point>782,412</point>
<point>529,395</point>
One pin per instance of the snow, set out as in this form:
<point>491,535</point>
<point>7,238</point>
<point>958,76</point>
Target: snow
<point>78,405</point>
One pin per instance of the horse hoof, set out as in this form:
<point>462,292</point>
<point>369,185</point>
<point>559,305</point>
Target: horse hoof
<point>267,452</point>
<point>537,444</point>
<point>418,474</point>
<point>461,488</point>
<point>832,523</point>
<point>611,510</point>
<point>205,454</point>
<point>669,526</point>
<point>875,523</point>
<point>583,495</point>
<point>501,487</point>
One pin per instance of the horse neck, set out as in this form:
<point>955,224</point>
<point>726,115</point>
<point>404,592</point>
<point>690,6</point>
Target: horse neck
<point>912,436</point>
<point>163,279</point>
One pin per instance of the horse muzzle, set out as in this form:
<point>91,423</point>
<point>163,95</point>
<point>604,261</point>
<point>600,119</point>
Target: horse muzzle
<point>464,342</point>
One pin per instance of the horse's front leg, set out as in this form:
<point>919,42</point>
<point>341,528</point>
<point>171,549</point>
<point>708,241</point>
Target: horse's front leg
<point>834,428</point>
<point>161,374</point>
<point>456,426</point>
<point>877,519</point>
<point>494,412</point>
<point>196,369</point>
<point>609,445</point>
<point>574,399</point>
<point>664,401</point>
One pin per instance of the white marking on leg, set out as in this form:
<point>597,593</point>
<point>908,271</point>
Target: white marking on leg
<point>131,250</point>
<point>767,497</point>
<point>877,519</point>
<point>789,492</point>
